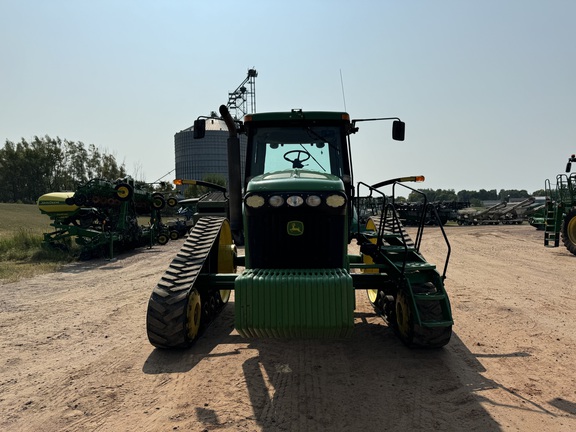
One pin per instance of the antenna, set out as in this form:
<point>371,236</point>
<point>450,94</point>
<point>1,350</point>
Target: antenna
<point>342,85</point>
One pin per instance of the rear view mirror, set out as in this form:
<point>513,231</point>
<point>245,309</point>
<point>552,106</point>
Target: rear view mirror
<point>199,128</point>
<point>398,128</point>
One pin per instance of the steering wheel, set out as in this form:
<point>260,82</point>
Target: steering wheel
<point>297,162</point>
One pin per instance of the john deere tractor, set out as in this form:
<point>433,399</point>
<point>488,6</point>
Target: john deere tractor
<point>296,214</point>
<point>560,222</point>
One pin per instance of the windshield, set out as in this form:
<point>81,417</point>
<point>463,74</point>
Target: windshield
<point>316,148</point>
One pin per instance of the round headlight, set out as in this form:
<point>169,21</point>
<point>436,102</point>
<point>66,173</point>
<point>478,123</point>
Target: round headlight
<point>276,201</point>
<point>255,201</point>
<point>313,200</point>
<point>294,201</point>
<point>335,201</point>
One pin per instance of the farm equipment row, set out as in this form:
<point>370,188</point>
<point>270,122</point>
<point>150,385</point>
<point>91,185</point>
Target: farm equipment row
<point>102,217</point>
<point>504,212</point>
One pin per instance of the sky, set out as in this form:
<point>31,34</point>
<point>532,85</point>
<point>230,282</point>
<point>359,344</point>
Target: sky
<point>487,88</point>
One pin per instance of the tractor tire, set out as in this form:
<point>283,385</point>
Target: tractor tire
<point>568,231</point>
<point>174,235</point>
<point>179,309</point>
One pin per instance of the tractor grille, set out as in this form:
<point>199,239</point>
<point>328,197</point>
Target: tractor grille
<point>299,237</point>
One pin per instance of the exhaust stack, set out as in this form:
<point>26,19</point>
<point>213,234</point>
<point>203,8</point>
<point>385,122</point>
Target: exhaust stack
<point>234,177</point>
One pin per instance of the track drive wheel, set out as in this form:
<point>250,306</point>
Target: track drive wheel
<point>568,231</point>
<point>408,331</point>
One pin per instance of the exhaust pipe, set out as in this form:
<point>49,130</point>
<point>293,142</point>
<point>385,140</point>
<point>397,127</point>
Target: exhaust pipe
<point>234,177</point>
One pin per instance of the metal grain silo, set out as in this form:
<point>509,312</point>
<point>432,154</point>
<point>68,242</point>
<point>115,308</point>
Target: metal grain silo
<point>197,158</point>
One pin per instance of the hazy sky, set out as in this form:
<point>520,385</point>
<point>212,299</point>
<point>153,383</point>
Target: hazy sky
<point>487,88</point>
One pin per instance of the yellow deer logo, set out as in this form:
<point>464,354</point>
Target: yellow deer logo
<point>295,228</point>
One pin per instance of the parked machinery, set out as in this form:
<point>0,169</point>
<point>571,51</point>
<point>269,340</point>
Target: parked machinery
<point>102,217</point>
<point>295,217</point>
<point>411,213</point>
<point>561,210</point>
<point>503,212</point>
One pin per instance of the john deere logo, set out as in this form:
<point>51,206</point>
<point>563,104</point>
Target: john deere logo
<point>295,228</point>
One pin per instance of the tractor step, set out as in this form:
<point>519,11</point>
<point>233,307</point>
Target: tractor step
<point>288,303</point>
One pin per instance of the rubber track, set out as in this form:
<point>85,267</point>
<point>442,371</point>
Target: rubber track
<point>166,318</point>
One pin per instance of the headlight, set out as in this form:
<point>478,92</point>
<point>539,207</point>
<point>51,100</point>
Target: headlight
<point>255,201</point>
<point>276,201</point>
<point>335,201</point>
<point>313,200</point>
<point>294,201</point>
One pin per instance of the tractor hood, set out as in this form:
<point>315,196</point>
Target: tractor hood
<point>295,180</point>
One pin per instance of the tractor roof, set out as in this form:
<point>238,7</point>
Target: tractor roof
<point>297,115</point>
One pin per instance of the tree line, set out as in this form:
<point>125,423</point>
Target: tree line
<point>473,197</point>
<point>30,169</point>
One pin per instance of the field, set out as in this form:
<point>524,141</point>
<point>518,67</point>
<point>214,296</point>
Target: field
<point>22,216</point>
<point>75,356</point>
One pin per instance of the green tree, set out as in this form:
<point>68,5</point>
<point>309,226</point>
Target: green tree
<point>31,169</point>
<point>194,191</point>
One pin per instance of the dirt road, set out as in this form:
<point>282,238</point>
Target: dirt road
<point>75,356</point>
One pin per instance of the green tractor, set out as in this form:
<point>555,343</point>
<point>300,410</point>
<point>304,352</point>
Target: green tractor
<point>295,215</point>
<point>560,210</point>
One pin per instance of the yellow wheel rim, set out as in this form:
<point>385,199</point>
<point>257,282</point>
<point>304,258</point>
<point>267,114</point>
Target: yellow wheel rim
<point>226,256</point>
<point>194,314</point>
<point>571,230</point>
<point>372,293</point>
<point>123,192</point>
